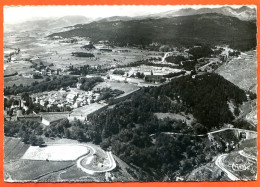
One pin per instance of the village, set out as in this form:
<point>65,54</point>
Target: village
<point>130,93</point>
<point>74,103</point>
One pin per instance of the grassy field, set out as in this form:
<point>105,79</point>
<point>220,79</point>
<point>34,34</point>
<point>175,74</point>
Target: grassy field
<point>125,87</point>
<point>248,144</point>
<point>251,151</point>
<point>17,80</point>
<point>183,117</point>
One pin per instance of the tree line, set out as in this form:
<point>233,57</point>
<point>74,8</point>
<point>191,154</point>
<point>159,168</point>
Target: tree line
<point>46,85</point>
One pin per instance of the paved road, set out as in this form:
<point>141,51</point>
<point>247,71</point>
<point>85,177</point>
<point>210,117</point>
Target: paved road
<point>219,163</point>
<point>112,164</point>
<point>213,132</point>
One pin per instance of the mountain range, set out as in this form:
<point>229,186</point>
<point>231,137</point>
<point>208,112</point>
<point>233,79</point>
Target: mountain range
<point>244,13</point>
<point>210,28</point>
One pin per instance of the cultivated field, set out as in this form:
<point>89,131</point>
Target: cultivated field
<point>18,66</point>
<point>14,148</point>
<point>32,170</point>
<point>18,80</point>
<point>58,52</point>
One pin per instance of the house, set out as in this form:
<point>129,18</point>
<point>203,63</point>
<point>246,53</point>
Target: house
<point>27,75</point>
<point>71,97</point>
<point>78,85</point>
<point>42,102</point>
<point>43,72</point>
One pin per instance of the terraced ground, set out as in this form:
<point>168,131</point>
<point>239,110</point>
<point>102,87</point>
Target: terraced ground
<point>17,169</point>
<point>14,149</point>
<point>241,71</point>
<point>28,170</point>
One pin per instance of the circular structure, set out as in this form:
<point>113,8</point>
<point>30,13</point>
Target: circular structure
<point>93,163</point>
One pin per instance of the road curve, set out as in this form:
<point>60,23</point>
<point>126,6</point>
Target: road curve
<point>219,163</point>
<point>242,153</point>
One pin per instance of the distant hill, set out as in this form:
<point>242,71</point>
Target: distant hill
<point>116,18</point>
<point>183,30</point>
<point>244,13</point>
<point>49,23</point>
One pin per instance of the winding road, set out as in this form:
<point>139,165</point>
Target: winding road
<point>219,163</point>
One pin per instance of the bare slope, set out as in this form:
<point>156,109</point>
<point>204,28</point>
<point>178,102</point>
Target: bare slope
<point>241,71</point>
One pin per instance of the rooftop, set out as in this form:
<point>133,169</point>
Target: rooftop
<point>87,109</point>
<point>54,116</point>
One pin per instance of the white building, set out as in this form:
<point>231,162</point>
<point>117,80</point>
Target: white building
<point>71,97</point>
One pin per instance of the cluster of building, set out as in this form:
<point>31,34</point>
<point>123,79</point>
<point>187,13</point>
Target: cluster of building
<point>151,74</point>
<point>70,97</point>
<point>43,72</point>
<point>17,108</point>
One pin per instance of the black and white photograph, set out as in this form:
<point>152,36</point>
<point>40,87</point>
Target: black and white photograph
<point>130,93</point>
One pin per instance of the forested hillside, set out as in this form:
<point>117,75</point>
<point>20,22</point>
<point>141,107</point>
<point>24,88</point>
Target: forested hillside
<point>180,31</point>
<point>130,127</point>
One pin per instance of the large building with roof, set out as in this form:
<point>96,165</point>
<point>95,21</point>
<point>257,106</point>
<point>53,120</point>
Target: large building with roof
<point>83,113</point>
<point>49,118</point>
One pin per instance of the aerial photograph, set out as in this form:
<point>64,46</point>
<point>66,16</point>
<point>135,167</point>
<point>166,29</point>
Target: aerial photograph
<point>136,93</point>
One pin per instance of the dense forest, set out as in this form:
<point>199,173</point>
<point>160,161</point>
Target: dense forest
<point>88,84</point>
<point>29,131</point>
<point>182,31</point>
<point>205,97</point>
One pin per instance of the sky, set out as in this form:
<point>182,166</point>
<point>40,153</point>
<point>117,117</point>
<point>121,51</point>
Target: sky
<point>17,14</point>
